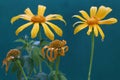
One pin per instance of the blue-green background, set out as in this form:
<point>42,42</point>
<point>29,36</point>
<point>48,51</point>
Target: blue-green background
<point>106,64</point>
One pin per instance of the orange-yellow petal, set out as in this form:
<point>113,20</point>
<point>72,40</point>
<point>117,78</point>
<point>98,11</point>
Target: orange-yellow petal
<point>108,21</point>
<point>95,30</point>
<point>79,17</point>
<point>55,28</point>
<point>101,32</point>
<point>35,30</point>
<point>41,10</point>
<point>89,30</point>
<point>47,31</point>
<point>80,27</point>
<point>29,12</point>
<point>84,14</point>
<point>25,17</point>
<point>21,28</point>
<point>103,12</point>
<point>15,18</point>
<point>6,63</point>
<point>55,17</point>
<point>93,11</point>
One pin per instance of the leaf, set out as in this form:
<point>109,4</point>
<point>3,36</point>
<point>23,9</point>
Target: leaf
<point>36,56</point>
<point>19,74</point>
<point>61,76</point>
<point>54,76</point>
<point>21,40</point>
<point>14,68</point>
<point>43,43</point>
<point>28,64</point>
<point>41,76</point>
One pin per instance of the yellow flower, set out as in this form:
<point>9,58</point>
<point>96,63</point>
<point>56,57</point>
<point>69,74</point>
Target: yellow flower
<point>11,55</point>
<point>94,20</point>
<point>37,20</point>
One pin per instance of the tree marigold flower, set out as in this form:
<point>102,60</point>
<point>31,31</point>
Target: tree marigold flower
<point>11,55</point>
<point>56,48</point>
<point>39,19</point>
<point>94,20</point>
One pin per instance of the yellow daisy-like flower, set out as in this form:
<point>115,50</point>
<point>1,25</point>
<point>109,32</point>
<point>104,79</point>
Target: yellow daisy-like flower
<point>94,20</point>
<point>37,20</point>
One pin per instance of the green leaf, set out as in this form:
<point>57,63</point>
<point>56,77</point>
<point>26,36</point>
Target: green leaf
<point>19,74</point>
<point>41,76</point>
<point>21,40</point>
<point>54,76</point>
<point>43,43</point>
<point>14,67</point>
<point>28,65</point>
<point>36,56</point>
<point>61,76</point>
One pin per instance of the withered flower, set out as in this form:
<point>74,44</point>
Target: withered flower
<point>54,49</point>
<point>11,55</point>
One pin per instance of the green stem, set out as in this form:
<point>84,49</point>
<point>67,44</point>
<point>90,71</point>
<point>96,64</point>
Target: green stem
<point>57,64</point>
<point>19,64</point>
<point>91,56</point>
<point>57,68</point>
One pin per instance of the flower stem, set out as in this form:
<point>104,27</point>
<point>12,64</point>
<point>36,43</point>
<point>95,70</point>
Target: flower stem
<point>57,68</point>
<point>91,56</point>
<point>57,64</point>
<point>18,62</point>
<point>40,38</point>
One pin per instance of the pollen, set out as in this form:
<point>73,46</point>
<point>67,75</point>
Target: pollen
<point>40,19</point>
<point>92,21</point>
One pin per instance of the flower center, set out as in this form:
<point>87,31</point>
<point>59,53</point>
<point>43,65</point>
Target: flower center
<point>40,19</point>
<point>92,21</point>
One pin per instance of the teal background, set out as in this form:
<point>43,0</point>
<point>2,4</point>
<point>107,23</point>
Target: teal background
<point>106,64</point>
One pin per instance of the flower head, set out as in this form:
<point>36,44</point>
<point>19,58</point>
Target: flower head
<point>94,20</point>
<point>37,20</point>
<point>56,48</point>
<point>11,55</point>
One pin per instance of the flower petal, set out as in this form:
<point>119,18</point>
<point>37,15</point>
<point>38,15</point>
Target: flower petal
<point>95,30</point>
<point>6,63</point>
<point>93,11</point>
<point>79,17</point>
<point>35,30</point>
<point>80,27</point>
<point>78,22</point>
<point>84,14</point>
<point>89,30</point>
<point>108,21</point>
<point>21,28</point>
<point>55,28</point>
<point>55,17</point>
<point>41,10</point>
<point>15,18</point>
<point>48,32</point>
<point>25,17</point>
<point>29,12</point>
<point>103,12</point>
<point>101,32</point>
